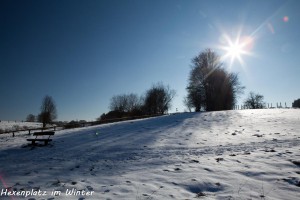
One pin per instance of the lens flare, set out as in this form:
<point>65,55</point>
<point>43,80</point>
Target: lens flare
<point>236,48</point>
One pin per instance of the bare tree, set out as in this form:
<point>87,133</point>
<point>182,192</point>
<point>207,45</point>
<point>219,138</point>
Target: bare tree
<point>118,103</point>
<point>210,86</point>
<point>254,101</point>
<point>158,99</point>
<point>125,102</point>
<point>48,111</point>
<point>30,118</point>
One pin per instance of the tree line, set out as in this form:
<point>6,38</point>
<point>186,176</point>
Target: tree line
<point>156,101</point>
<point>210,88</point>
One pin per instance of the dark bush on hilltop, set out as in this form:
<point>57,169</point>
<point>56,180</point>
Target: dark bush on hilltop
<point>158,99</point>
<point>30,118</point>
<point>211,87</point>
<point>296,104</point>
<point>73,124</point>
<point>113,114</point>
<point>254,101</point>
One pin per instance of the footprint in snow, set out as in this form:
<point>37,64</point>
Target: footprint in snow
<point>89,188</point>
<point>292,180</point>
<point>219,159</point>
<point>73,182</point>
<point>258,135</point>
<point>270,150</point>
<point>296,162</point>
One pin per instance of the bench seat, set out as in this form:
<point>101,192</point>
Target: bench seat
<point>45,140</point>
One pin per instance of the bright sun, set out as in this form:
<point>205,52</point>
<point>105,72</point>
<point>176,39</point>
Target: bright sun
<point>235,49</point>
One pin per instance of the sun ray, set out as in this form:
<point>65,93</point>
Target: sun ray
<point>236,48</point>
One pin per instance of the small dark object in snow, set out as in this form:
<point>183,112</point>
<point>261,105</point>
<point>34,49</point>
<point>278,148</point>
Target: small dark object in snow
<point>74,183</point>
<point>209,170</point>
<point>233,134</point>
<point>257,135</point>
<point>296,162</point>
<point>200,194</point>
<point>219,159</point>
<point>270,150</point>
<point>89,188</point>
<point>196,161</point>
<point>232,154</point>
<point>177,169</point>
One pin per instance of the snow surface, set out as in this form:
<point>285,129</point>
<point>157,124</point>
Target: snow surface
<point>248,154</point>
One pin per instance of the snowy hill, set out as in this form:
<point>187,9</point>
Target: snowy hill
<point>248,154</point>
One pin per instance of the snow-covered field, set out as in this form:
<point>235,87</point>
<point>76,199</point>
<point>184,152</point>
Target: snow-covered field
<point>248,154</point>
<point>6,126</point>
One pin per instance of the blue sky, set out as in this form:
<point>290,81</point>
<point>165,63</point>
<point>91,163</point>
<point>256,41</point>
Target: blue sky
<point>84,52</point>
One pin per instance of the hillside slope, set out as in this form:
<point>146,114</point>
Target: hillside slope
<point>248,154</point>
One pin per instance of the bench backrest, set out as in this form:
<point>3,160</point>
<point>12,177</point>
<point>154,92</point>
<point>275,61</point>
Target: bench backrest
<point>44,133</point>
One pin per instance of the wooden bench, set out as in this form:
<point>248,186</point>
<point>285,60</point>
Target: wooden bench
<point>42,137</point>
